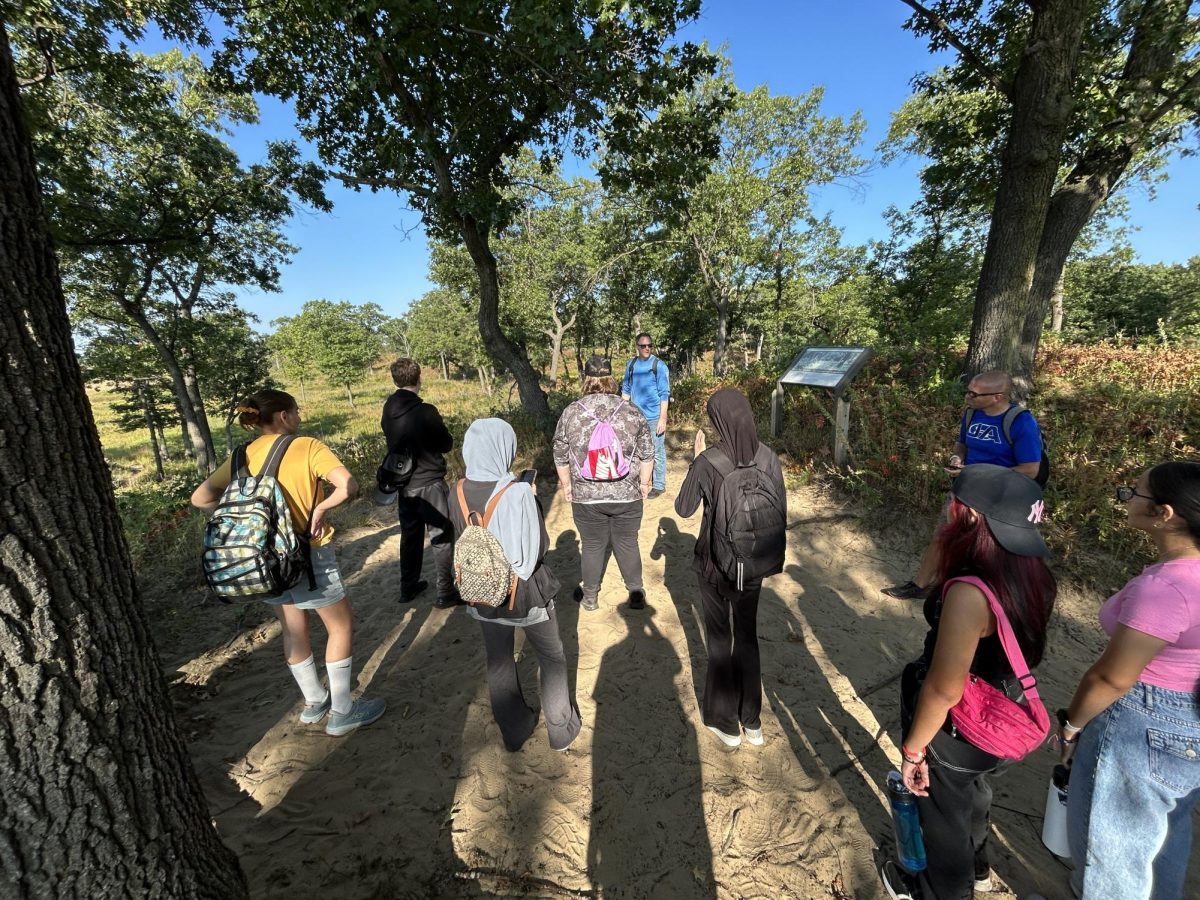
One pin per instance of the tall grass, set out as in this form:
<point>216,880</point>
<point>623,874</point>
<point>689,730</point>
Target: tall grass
<point>1107,412</point>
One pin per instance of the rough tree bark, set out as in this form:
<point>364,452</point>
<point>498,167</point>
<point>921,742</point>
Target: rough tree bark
<point>1157,44</point>
<point>498,345</point>
<point>97,794</point>
<point>1041,106</point>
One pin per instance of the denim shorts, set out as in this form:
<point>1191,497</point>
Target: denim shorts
<point>329,583</point>
<point>1134,783</point>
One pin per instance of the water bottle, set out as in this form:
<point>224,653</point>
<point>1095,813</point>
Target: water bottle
<point>906,822</point>
<point>1054,825</point>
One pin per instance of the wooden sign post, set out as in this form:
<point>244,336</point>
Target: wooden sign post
<point>832,368</point>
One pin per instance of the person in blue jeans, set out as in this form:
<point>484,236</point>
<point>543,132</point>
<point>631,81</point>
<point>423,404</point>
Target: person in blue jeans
<point>647,385</point>
<point>1132,731</point>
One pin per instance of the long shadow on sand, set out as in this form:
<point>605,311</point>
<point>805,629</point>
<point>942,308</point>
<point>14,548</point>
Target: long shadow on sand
<point>648,833</point>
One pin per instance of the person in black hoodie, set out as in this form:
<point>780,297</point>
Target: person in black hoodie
<point>410,424</point>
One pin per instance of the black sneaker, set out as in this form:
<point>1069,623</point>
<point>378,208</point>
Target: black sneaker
<point>898,883</point>
<point>654,492</point>
<point>448,601</point>
<point>637,599</point>
<point>408,594</point>
<point>910,590</point>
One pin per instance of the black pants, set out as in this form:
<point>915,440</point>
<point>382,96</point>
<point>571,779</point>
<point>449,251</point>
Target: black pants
<point>421,508</point>
<point>605,525</point>
<point>514,716</point>
<point>733,684</point>
<point>956,816</point>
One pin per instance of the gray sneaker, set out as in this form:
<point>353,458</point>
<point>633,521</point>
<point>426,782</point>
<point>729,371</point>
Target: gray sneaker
<point>315,712</point>
<point>363,712</point>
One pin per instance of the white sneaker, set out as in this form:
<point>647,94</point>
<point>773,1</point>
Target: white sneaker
<point>896,882</point>
<point>754,736</point>
<point>729,740</point>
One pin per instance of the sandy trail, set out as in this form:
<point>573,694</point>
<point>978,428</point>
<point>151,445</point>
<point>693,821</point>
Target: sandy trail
<point>646,803</point>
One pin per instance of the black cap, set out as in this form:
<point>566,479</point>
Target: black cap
<point>597,366</point>
<point>1010,502</point>
<point>386,491</point>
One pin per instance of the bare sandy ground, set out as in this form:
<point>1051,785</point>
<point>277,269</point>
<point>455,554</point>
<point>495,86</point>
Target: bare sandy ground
<point>646,803</point>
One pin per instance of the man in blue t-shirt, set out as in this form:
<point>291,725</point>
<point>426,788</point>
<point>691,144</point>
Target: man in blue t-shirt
<point>647,385</point>
<point>982,441</point>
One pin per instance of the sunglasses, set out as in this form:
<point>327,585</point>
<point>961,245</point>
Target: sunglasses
<point>971,395</point>
<point>644,346</point>
<point>1127,492</point>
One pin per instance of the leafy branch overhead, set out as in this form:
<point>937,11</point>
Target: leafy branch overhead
<point>437,100</point>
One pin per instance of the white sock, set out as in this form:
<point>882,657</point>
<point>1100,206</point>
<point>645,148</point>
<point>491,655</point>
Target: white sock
<point>339,685</point>
<point>306,676</point>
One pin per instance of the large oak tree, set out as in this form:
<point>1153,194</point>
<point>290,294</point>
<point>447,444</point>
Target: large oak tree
<point>97,794</point>
<point>994,127</point>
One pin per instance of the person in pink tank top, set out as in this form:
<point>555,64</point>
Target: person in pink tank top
<point>1132,732</point>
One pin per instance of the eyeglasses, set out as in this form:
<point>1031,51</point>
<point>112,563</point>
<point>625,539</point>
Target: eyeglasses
<point>644,346</point>
<point>971,395</point>
<point>1127,492</point>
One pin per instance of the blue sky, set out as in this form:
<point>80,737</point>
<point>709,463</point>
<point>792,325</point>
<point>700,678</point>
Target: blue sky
<point>372,248</point>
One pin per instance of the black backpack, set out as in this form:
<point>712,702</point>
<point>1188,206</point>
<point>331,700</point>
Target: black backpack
<point>749,519</point>
<point>1010,416</point>
<point>629,371</point>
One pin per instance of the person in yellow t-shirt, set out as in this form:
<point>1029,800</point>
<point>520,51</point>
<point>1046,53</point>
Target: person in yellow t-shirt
<point>305,465</point>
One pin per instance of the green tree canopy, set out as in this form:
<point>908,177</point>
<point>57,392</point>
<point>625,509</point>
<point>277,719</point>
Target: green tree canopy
<point>437,101</point>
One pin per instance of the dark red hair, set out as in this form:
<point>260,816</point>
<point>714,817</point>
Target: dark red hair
<point>1023,584</point>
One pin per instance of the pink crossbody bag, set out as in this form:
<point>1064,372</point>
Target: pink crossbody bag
<point>985,716</point>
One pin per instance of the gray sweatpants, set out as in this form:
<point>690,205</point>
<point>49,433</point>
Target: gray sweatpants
<point>514,716</point>
<point>605,525</point>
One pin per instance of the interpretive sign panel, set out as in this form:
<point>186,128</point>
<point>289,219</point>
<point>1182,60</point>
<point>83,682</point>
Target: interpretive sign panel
<point>827,367</point>
<point>824,367</point>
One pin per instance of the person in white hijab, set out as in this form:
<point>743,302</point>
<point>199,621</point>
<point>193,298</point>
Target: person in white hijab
<point>488,449</point>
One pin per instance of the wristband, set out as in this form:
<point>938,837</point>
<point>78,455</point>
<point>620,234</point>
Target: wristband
<point>1067,726</point>
<point>1065,740</point>
<point>910,757</point>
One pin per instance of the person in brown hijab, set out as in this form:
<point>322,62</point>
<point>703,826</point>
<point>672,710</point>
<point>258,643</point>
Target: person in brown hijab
<point>733,684</point>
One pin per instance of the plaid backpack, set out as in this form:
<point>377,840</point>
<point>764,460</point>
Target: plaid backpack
<point>482,572</point>
<point>251,547</point>
<point>605,459</point>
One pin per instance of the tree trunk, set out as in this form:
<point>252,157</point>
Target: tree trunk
<point>556,335</point>
<point>97,794</point>
<point>758,350</point>
<point>445,368</point>
<point>1156,45</point>
<point>149,416</point>
<point>1041,107</point>
<point>197,436</point>
<point>164,447</point>
<point>229,437</point>
<point>303,392</point>
<point>507,354</point>
<point>192,385</point>
<point>350,394</point>
<point>722,336</point>
<point>1056,308</point>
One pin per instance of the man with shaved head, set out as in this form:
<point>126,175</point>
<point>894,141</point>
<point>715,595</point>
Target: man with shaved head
<point>993,430</point>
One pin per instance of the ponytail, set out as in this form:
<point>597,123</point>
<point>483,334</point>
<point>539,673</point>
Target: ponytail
<point>261,407</point>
